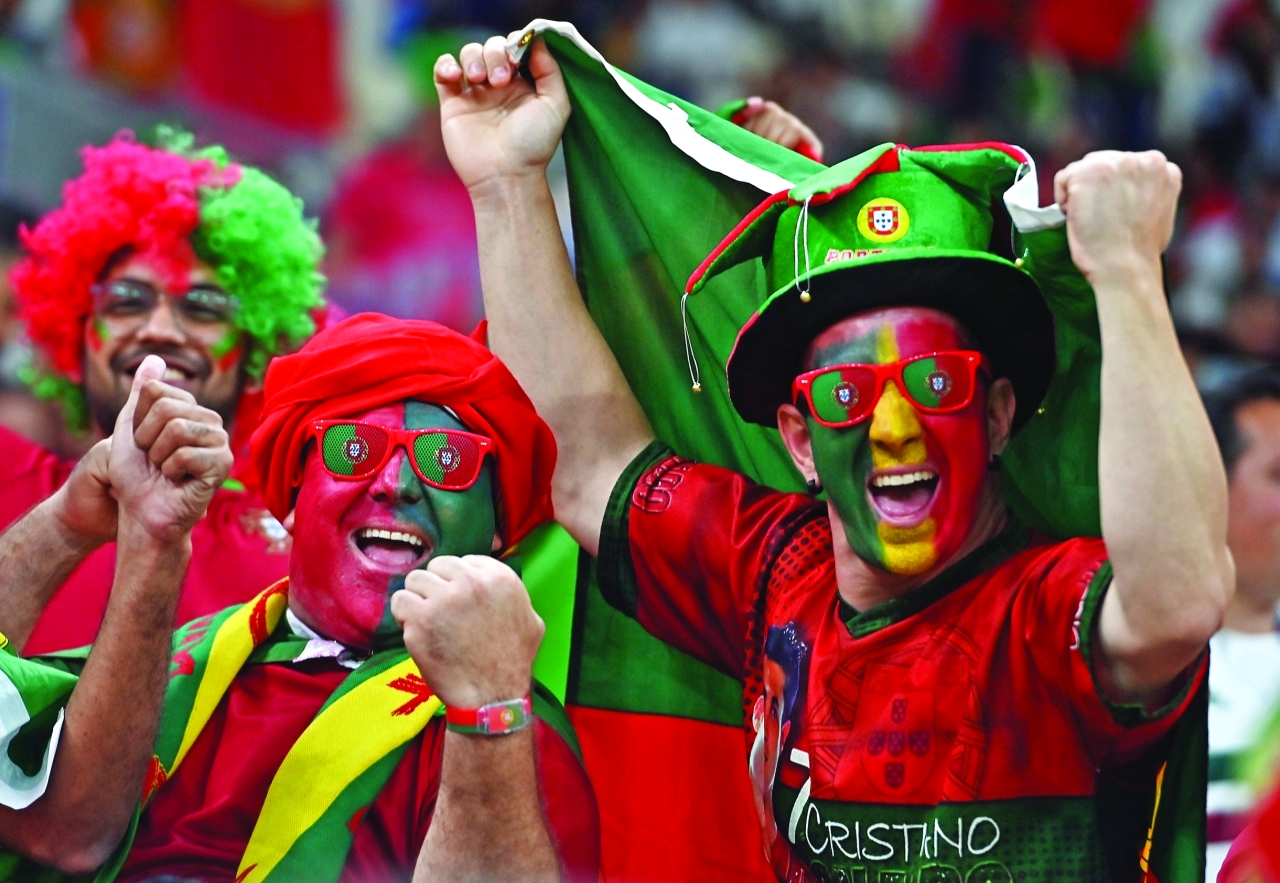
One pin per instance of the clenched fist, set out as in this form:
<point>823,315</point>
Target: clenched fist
<point>469,626</point>
<point>1120,210</point>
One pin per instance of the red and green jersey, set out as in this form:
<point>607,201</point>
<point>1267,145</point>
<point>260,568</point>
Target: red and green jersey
<point>951,734</point>
<point>236,547</point>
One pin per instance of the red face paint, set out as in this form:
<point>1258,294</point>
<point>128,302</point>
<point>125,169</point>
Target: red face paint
<point>341,579</point>
<point>906,485</point>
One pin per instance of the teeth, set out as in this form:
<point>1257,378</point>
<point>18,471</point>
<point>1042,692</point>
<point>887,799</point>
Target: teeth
<point>373,533</point>
<point>906,478</point>
<point>174,374</point>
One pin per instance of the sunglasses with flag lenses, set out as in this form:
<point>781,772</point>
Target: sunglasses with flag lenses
<point>842,395</point>
<point>448,459</point>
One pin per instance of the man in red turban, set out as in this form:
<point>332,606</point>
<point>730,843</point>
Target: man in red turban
<point>373,716</point>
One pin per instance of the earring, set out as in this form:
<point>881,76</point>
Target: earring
<point>815,486</point>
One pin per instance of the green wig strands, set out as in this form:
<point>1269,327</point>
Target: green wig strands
<point>265,253</point>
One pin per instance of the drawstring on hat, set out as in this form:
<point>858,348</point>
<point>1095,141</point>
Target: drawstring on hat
<point>802,221</point>
<point>691,359</point>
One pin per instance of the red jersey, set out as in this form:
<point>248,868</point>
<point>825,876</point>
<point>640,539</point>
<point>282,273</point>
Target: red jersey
<point>951,734</point>
<point>200,821</point>
<point>237,545</point>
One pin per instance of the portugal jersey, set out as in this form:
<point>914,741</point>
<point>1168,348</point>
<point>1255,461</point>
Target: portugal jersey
<point>955,733</point>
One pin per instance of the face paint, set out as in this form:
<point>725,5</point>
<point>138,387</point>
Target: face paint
<point>98,334</point>
<point>354,540</point>
<point>905,485</point>
<point>227,351</point>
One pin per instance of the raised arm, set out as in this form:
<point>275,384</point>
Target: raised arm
<point>500,134</point>
<point>1163,488</point>
<point>164,462</point>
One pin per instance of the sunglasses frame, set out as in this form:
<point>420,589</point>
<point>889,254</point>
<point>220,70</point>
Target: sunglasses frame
<point>802,386</point>
<point>401,438</point>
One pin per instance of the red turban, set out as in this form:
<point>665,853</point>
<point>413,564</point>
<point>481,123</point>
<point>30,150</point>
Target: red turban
<point>370,361</point>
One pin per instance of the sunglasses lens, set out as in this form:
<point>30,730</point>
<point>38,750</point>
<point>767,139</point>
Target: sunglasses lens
<point>939,382</point>
<point>447,459</point>
<point>841,395</point>
<point>353,449</point>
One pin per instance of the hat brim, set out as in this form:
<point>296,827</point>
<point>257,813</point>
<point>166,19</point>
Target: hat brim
<point>998,303</point>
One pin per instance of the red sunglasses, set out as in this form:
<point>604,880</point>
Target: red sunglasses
<point>936,383</point>
<point>448,459</point>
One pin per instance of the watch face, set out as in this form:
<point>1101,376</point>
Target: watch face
<point>503,717</point>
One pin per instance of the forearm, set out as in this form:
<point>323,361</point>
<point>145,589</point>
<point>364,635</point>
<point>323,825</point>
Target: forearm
<point>1163,489</point>
<point>488,823</point>
<point>112,716</point>
<point>37,554</point>
<point>540,327</point>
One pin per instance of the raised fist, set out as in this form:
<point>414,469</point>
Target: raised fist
<point>469,626</point>
<point>495,124</point>
<point>1120,210</point>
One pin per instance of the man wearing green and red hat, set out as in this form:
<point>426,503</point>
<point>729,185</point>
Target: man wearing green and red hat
<point>932,693</point>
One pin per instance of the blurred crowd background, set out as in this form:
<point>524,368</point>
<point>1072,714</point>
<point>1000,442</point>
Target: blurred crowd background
<point>334,97</point>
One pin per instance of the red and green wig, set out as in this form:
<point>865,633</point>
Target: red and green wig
<point>170,204</point>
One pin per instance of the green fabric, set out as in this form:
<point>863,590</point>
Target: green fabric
<point>550,569</point>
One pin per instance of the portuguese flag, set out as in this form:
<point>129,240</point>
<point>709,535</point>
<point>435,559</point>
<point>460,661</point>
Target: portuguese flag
<point>656,184</point>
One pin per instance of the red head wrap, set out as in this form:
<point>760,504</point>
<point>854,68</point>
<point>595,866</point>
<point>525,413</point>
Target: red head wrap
<point>370,361</point>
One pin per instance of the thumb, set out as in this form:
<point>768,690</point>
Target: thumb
<point>152,368</point>
<point>544,70</point>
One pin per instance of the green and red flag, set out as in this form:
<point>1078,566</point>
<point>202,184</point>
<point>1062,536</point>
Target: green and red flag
<point>656,184</point>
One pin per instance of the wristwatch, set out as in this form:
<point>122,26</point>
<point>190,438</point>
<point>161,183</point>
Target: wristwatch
<point>494,719</point>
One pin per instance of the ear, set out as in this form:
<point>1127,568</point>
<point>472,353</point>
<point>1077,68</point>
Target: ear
<point>794,429</point>
<point>287,524</point>
<point>1001,406</point>
<point>496,545</point>
<point>757,714</point>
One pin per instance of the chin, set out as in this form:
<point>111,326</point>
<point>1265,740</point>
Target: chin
<point>909,551</point>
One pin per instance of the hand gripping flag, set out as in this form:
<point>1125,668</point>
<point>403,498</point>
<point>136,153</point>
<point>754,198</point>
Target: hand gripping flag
<point>655,185</point>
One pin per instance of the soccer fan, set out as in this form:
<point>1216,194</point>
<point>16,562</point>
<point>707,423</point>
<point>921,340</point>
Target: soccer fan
<point>375,710</point>
<point>76,752</point>
<point>1244,680</point>
<point>180,253</point>
<point>961,682</point>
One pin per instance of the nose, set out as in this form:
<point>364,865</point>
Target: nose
<point>396,482</point>
<point>161,325</point>
<point>896,433</point>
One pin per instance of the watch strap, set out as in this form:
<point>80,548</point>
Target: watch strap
<point>494,719</point>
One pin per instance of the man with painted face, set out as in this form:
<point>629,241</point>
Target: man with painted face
<point>964,682</point>
<point>180,253</point>
<point>374,712</point>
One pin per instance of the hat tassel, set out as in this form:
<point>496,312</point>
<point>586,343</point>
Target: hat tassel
<point>691,358</point>
<point>802,222</point>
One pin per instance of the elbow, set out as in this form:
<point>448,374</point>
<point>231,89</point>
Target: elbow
<point>72,852</point>
<point>1201,614</point>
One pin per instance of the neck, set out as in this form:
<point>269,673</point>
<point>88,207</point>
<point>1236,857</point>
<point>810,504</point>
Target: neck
<point>864,585</point>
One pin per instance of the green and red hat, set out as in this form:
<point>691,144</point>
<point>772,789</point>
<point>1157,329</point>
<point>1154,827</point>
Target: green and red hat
<point>893,226</point>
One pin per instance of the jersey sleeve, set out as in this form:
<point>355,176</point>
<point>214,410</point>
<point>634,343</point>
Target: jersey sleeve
<point>683,549</point>
<point>28,474</point>
<point>33,699</point>
<point>1060,622</point>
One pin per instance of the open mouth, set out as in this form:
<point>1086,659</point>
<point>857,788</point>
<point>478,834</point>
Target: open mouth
<point>903,497</point>
<point>395,550</point>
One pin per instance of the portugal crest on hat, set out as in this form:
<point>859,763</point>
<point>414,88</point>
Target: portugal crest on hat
<point>883,220</point>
